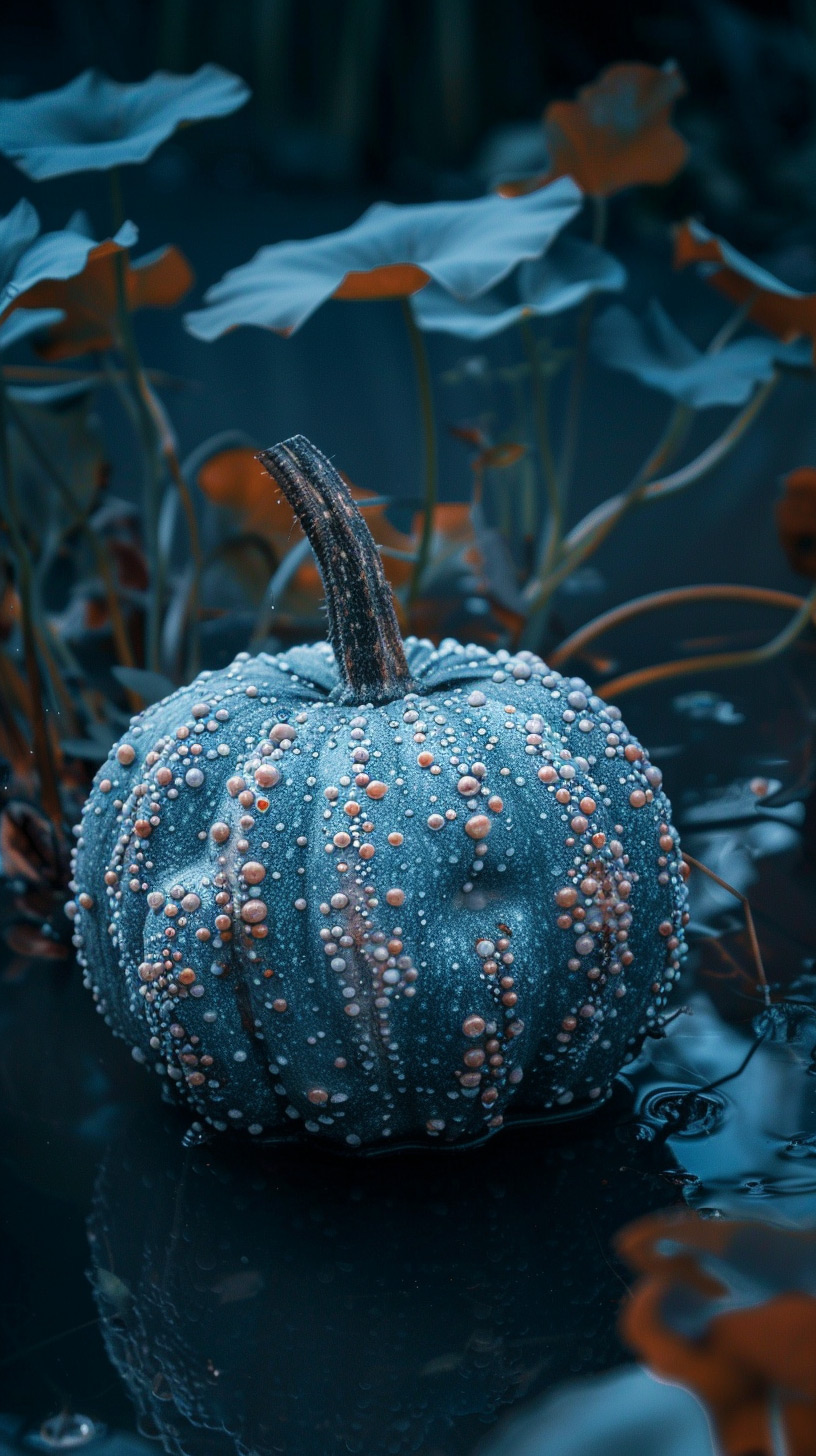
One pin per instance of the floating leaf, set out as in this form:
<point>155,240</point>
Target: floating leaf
<point>390,252</point>
<point>728,1308</point>
<point>569,272</point>
<point>93,123</point>
<point>796,520</point>
<point>29,262</point>
<point>657,353</point>
<point>774,305</point>
<point>616,134</point>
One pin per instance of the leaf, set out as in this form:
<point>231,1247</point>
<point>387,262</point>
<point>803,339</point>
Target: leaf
<point>616,134</point>
<point>390,252</point>
<point>796,520</point>
<point>657,353</point>
<point>28,261</point>
<point>772,304</point>
<point>88,300</point>
<point>500,457</point>
<point>28,849</point>
<point>728,1308</point>
<point>94,123</point>
<point>151,686</point>
<point>570,271</point>
<point>26,321</point>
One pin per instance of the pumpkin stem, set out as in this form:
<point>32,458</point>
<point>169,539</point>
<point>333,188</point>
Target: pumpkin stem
<point>363,626</point>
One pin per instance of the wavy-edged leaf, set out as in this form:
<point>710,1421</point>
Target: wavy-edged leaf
<point>774,305</point>
<point>94,123</point>
<point>29,264</point>
<point>392,251</point>
<point>617,132</point>
<point>570,271</point>
<point>656,352</point>
<point>26,321</point>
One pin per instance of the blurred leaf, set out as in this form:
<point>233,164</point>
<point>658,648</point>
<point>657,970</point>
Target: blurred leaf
<point>66,432</point>
<point>25,321</point>
<point>774,305</point>
<point>29,262</point>
<point>570,271</point>
<point>151,686</point>
<point>657,353</point>
<point>617,133</point>
<point>728,1309</point>
<point>93,123</point>
<point>88,300</point>
<point>796,520</point>
<point>28,846</point>
<point>500,457</point>
<point>390,252</point>
<point>624,1413</point>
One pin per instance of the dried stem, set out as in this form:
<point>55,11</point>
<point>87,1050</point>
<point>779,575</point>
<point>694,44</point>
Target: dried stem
<point>363,628</point>
<point>675,597</point>
<point>716,661</point>
<point>753,938</point>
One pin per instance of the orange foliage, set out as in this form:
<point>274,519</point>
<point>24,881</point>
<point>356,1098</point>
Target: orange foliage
<point>796,520</point>
<point>746,1360</point>
<point>88,300</point>
<point>783,312</point>
<point>616,134</point>
<point>392,280</point>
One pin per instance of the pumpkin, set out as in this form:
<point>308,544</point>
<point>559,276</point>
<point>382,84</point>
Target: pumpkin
<point>375,891</point>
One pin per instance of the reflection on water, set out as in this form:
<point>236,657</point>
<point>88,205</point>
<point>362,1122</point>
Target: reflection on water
<point>293,1302</point>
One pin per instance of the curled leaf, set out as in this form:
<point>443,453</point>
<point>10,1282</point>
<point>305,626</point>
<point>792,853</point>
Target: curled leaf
<point>33,267</point>
<point>390,252</point>
<point>94,123</point>
<point>617,133</point>
<point>772,304</point>
<point>657,353</point>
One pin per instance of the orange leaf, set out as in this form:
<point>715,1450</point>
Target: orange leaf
<point>392,280</point>
<point>781,310</point>
<point>88,300</point>
<point>499,457</point>
<point>616,134</point>
<point>796,520</point>
<point>742,1359</point>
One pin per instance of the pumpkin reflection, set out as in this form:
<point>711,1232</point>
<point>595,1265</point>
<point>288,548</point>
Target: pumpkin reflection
<point>313,1305</point>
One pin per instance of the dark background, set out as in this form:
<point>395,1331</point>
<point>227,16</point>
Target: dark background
<point>356,100</point>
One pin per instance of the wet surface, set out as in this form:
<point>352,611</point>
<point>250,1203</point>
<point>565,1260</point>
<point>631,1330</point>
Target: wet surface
<point>299,1301</point>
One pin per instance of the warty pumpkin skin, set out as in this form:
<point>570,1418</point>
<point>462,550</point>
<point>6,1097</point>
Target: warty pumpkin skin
<point>379,920</point>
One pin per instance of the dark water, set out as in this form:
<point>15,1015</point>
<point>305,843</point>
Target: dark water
<point>298,1302</point>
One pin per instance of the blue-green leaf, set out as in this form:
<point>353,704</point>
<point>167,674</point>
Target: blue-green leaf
<point>26,259</point>
<point>151,686</point>
<point>569,272</point>
<point>93,123</point>
<point>25,321</point>
<point>657,353</point>
<point>391,251</point>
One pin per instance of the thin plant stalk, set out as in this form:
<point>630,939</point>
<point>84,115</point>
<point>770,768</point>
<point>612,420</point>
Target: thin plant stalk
<point>675,597</point>
<point>423,378</point>
<point>169,451</point>
<point>587,536</point>
<point>124,650</point>
<point>152,475</point>
<point>753,938</point>
<point>41,738</point>
<point>716,661</point>
<point>551,541</point>
<point>572,418</point>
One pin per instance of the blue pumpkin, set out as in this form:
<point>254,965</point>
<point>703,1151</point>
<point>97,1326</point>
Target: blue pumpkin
<point>371,890</point>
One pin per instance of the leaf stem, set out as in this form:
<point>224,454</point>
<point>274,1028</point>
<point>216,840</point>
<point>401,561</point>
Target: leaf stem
<point>675,597</point>
<point>716,661</point>
<point>149,440</point>
<point>169,449</point>
<point>426,404</point>
<point>42,745</point>
<point>551,540</point>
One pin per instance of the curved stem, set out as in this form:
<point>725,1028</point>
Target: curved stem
<point>541,407</point>
<point>716,661</point>
<point>423,378</point>
<point>584,539</point>
<point>675,597</point>
<point>363,628</point>
<point>572,419</point>
<point>169,451</point>
<point>43,750</point>
<point>753,938</point>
